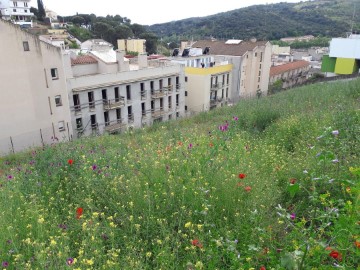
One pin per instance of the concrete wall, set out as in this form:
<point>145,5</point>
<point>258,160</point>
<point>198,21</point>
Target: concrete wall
<point>82,70</point>
<point>28,90</point>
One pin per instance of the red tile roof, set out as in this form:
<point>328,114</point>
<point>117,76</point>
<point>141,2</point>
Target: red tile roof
<point>220,48</point>
<point>287,67</point>
<point>83,59</point>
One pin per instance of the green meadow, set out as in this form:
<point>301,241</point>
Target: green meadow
<point>270,183</point>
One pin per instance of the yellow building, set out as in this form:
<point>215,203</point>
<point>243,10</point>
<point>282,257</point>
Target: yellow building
<point>132,45</point>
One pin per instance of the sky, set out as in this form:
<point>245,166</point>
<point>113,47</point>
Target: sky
<point>148,12</point>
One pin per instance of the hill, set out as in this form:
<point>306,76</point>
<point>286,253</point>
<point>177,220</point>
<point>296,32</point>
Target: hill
<point>271,183</point>
<point>330,18</point>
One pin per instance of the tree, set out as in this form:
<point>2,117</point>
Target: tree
<point>101,29</point>
<point>151,41</point>
<point>78,20</point>
<point>41,11</point>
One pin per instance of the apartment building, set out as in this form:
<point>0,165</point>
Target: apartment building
<point>207,80</point>
<point>251,62</point>
<point>110,93</point>
<point>17,11</point>
<point>34,105</point>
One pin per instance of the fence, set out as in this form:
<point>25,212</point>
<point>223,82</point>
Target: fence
<point>32,139</point>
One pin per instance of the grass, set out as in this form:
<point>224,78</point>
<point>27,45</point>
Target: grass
<point>271,183</point>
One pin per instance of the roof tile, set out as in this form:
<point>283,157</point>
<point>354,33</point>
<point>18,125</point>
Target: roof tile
<point>287,67</point>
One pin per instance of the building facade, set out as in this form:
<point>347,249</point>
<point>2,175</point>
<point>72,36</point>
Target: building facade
<point>208,81</point>
<point>109,93</point>
<point>17,11</point>
<point>251,62</point>
<point>344,56</point>
<point>34,104</point>
<point>132,45</point>
<point>290,74</point>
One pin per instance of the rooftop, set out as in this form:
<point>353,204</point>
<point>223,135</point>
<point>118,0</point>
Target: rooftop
<point>83,59</point>
<point>288,67</point>
<point>234,48</point>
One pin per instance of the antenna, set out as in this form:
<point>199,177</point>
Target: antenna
<point>353,19</point>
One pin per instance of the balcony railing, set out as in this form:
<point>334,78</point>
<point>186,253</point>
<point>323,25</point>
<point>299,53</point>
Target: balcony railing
<point>115,126</point>
<point>94,126</point>
<point>156,113</point>
<point>131,118</point>
<point>158,93</point>
<point>178,86</point>
<point>216,86</point>
<point>113,103</point>
<point>143,94</point>
<point>215,101</point>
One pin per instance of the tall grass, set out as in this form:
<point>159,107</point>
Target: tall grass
<point>271,183</point>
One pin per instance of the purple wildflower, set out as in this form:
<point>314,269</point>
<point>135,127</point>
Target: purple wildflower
<point>190,146</point>
<point>292,216</point>
<point>236,118</point>
<point>94,167</point>
<point>335,132</point>
<point>10,177</point>
<point>69,261</point>
<point>5,264</point>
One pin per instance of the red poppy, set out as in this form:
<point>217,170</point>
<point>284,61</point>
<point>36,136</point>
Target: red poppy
<point>79,212</point>
<point>242,175</point>
<point>357,244</point>
<point>292,181</point>
<point>336,255</point>
<point>70,161</point>
<point>247,188</point>
<point>211,144</point>
<point>262,268</point>
<point>196,243</point>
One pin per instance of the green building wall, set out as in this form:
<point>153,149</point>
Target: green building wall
<point>328,64</point>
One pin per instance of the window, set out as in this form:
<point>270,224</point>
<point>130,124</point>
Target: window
<point>54,73</point>
<point>15,4</point>
<point>106,118</point>
<point>177,100</point>
<point>260,66</point>
<point>25,10</point>
<point>177,114</point>
<point>259,73</point>
<point>160,84</point>
<point>104,95</point>
<point>227,79</point>
<point>118,115</point>
<point>58,101</point>
<point>128,92</point>
<point>169,102</point>
<point>130,114</point>
<point>185,108</point>
<point>227,92</point>
<point>259,79</point>
<point>255,54</point>
<point>91,100</point>
<point>14,10</point>
<point>79,124</point>
<point>186,78</point>
<point>186,93</point>
<point>116,92</point>
<point>26,46</point>
<point>143,110</point>
<point>151,85</point>
<point>77,106</point>
<point>61,125</point>
<point>93,122</point>
<point>25,4</point>
<point>261,57</point>
<point>169,81</point>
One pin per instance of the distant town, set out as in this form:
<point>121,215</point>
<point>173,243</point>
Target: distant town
<point>58,88</point>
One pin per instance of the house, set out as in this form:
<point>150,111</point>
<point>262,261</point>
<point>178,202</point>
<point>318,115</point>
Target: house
<point>96,45</point>
<point>251,62</point>
<point>290,74</point>
<point>34,101</point>
<point>208,80</point>
<point>344,56</point>
<point>17,11</point>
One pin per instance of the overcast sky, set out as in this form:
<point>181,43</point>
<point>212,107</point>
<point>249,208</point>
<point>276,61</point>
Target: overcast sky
<point>148,12</point>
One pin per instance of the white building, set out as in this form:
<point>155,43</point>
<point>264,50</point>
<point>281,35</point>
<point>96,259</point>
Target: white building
<point>109,93</point>
<point>18,11</point>
<point>34,108</point>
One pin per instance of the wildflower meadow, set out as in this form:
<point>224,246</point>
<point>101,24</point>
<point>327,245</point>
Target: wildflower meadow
<point>270,183</point>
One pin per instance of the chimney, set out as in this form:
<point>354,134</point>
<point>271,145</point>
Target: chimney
<point>122,64</point>
<point>142,60</point>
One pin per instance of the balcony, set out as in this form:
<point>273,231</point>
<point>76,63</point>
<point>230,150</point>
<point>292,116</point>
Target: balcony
<point>178,86</point>
<point>131,118</point>
<point>115,126</point>
<point>158,93</point>
<point>113,103</point>
<point>143,94</point>
<point>77,109</point>
<point>216,86</point>
<point>156,113</point>
<point>215,101</point>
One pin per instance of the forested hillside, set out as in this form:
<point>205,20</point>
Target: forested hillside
<point>270,22</point>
